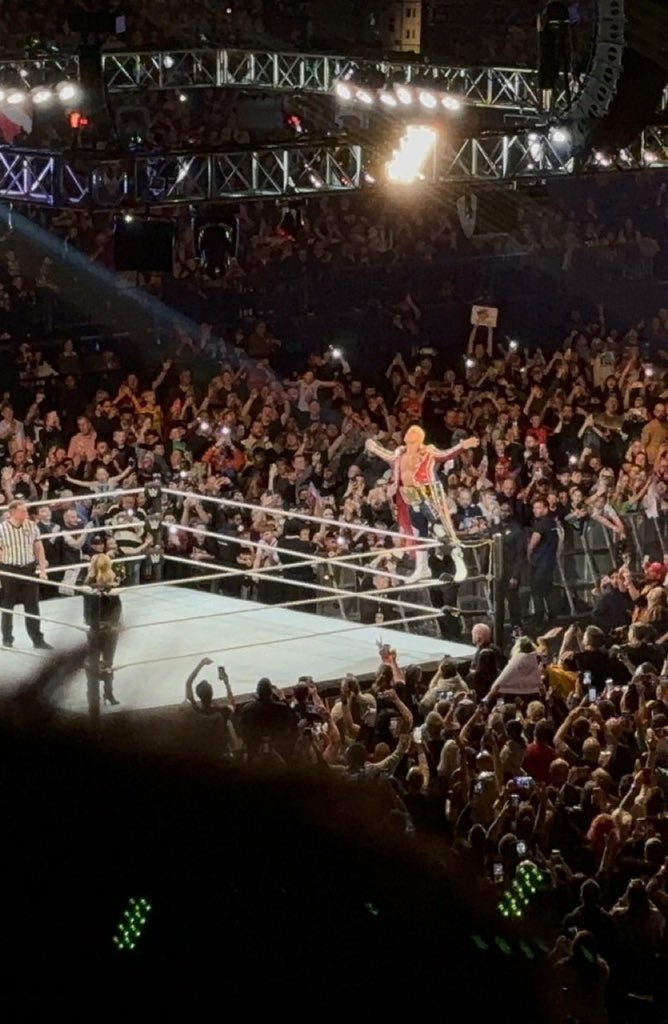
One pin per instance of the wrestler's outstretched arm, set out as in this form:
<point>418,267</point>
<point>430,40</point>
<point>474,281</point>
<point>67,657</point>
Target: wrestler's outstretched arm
<point>377,449</point>
<point>452,453</point>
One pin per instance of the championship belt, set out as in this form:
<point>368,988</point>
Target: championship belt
<point>433,496</point>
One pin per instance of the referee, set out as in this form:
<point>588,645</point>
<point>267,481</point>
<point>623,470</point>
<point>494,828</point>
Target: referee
<point>22,554</point>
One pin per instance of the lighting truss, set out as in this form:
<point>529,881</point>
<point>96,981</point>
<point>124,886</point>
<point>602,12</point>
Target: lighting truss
<point>512,89</point>
<point>36,70</point>
<point>654,147</point>
<point>54,179</point>
<point>499,157</point>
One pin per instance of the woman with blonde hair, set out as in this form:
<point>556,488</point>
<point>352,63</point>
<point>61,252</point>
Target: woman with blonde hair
<point>655,612</point>
<point>102,614</point>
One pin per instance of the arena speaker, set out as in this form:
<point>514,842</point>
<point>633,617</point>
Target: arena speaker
<point>143,245</point>
<point>627,75</point>
<point>640,90</point>
<point>594,99</point>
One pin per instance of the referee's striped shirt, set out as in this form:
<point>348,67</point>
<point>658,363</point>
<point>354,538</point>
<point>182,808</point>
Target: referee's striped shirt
<point>18,542</point>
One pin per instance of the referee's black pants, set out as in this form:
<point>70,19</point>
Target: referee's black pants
<point>24,591</point>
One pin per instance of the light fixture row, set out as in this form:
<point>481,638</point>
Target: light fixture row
<point>65,92</point>
<point>396,96</point>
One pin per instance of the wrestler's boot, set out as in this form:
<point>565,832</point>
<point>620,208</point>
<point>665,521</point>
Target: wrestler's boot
<point>422,570</point>
<point>461,572</point>
<point>456,553</point>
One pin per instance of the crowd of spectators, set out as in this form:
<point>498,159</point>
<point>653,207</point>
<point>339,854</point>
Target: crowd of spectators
<point>551,765</point>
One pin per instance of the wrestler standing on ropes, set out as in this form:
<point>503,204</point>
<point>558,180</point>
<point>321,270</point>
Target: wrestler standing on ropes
<point>420,496</point>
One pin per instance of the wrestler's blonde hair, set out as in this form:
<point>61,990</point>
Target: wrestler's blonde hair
<point>416,431</point>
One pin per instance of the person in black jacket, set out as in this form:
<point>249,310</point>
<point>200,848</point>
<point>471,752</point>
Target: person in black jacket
<point>270,718</point>
<point>514,557</point>
<point>102,615</point>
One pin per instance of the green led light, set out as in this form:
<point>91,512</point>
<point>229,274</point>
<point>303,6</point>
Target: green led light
<point>132,924</point>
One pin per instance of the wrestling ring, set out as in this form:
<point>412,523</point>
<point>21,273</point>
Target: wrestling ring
<point>186,611</point>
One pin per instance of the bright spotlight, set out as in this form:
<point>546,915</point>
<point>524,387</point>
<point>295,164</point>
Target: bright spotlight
<point>128,218</point>
<point>343,91</point>
<point>388,98</point>
<point>364,96</point>
<point>536,148</point>
<point>42,96</point>
<point>451,103</point>
<point>560,135</point>
<point>183,98</point>
<point>15,97</point>
<point>404,95</point>
<point>408,160</point>
<point>649,157</point>
<point>168,61</point>
<point>66,91</point>
<point>23,72</point>
<point>315,180</point>
<point>427,99</point>
<point>369,178</point>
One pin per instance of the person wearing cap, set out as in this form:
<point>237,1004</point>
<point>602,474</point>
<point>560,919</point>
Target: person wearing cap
<point>95,545</point>
<point>655,574</point>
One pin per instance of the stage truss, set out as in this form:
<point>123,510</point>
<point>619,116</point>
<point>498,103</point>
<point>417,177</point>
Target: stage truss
<point>507,89</point>
<point>270,172</point>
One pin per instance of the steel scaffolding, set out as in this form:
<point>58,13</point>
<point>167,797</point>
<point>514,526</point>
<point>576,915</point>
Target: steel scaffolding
<point>502,88</point>
<point>505,89</point>
<point>86,180</point>
<point>495,157</point>
<point>39,70</point>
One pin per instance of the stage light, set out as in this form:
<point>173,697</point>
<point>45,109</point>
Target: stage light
<point>369,178</point>
<point>67,91</point>
<point>560,135</point>
<point>469,363</point>
<point>337,353</point>
<point>407,161</point>
<point>364,96</point>
<point>183,98</point>
<point>404,95</point>
<point>427,99</point>
<point>388,98</point>
<point>513,345</point>
<point>451,103</point>
<point>128,218</point>
<point>23,72</point>
<point>315,180</point>
<point>168,61</point>
<point>649,157</point>
<point>602,160</point>
<point>15,97</point>
<point>343,91</point>
<point>41,95</point>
